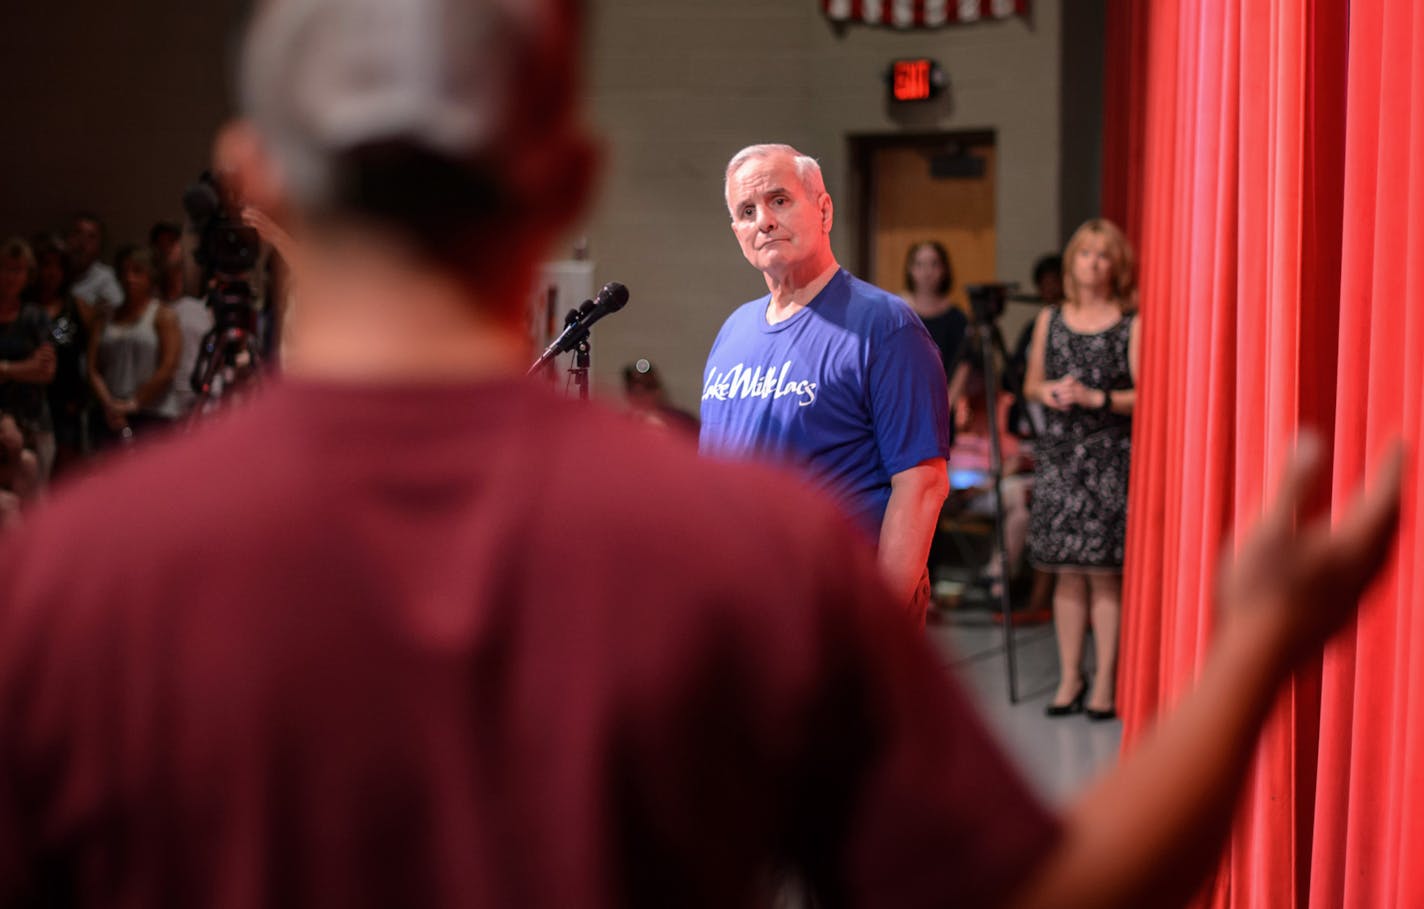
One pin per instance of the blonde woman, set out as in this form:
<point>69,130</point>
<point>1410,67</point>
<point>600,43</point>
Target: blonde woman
<point>1083,368</point>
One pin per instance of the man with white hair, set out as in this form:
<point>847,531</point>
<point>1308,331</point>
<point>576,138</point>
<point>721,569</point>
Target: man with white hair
<point>828,373</point>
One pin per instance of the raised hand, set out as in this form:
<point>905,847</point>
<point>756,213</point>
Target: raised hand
<point>1297,581</point>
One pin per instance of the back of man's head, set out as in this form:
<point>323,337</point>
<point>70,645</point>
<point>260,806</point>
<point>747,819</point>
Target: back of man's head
<point>452,122</point>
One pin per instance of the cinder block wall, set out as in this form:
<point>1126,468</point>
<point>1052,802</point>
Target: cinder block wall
<point>677,86</point>
<point>110,107</point>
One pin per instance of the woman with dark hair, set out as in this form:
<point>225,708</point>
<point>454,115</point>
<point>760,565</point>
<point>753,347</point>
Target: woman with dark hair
<point>1082,366</point>
<point>69,320</point>
<point>133,353</point>
<point>928,281</point>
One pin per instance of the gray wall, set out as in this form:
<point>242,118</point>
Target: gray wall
<point>111,106</point>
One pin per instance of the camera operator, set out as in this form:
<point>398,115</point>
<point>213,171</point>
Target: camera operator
<point>231,256</point>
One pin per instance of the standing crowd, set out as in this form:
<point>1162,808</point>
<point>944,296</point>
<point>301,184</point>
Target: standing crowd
<point>92,355</point>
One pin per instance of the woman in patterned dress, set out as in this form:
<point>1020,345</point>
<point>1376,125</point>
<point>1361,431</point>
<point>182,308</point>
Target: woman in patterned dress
<point>1083,368</point>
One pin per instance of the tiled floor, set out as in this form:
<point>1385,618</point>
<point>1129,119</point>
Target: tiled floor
<point>1058,755</point>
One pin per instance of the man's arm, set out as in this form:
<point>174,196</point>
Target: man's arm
<point>916,495</point>
<point>957,381</point>
<point>1149,831</point>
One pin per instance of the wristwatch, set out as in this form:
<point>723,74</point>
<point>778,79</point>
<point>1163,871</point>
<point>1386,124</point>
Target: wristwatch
<point>1107,400</point>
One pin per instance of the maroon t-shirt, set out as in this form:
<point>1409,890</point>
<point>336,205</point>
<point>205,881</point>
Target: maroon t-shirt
<point>473,646</point>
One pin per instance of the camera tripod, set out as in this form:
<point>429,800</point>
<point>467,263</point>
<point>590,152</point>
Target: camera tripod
<point>984,338</point>
<point>230,356</point>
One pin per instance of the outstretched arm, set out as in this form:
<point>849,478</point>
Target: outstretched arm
<point>1149,831</point>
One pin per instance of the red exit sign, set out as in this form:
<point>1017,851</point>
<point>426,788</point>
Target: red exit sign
<point>915,80</point>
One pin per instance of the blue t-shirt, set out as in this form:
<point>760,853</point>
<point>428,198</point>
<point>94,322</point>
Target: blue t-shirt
<point>851,389</point>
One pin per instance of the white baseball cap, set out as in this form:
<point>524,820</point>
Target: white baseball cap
<point>320,77</point>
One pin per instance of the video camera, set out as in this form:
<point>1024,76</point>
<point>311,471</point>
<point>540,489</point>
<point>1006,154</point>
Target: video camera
<point>227,252</point>
<point>227,248</point>
<point>987,301</point>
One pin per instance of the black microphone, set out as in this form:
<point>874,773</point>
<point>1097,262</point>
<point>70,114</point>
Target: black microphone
<point>610,299</point>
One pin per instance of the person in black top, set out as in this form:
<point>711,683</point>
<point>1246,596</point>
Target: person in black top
<point>928,281</point>
<point>26,352</point>
<point>69,320</point>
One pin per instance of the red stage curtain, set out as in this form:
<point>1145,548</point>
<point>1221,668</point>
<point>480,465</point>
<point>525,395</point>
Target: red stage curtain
<point>1368,835</point>
<point>1275,214</point>
<point>1125,114</point>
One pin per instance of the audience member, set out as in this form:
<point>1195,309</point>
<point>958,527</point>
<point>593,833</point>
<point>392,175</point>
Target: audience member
<point>828,373</point>
<point>165,244</point>
<point>647,398</point>
<point>19,473</point>
<point>1048,278</point>
<point>1083,368</point>
<point>69,319</point>
<point>928,281</point>
<point>1048,284</point>
<point>971,472</point>
<point>133,353</point>
<point>379,695</point>
<point>27,357</point>
<point>1026,417</point>
<point>94,282</point>
<point>193,316</point>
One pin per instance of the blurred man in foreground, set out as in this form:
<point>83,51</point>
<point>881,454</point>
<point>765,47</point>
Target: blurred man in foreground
<point>406,638</point>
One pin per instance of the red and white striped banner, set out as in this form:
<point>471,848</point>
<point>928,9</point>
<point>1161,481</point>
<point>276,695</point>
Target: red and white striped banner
<point>921,13</point>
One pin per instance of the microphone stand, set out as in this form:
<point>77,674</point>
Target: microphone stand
<point>579,371</point>
<point>996,466</point>
<point>575,335</point>
<point>986,300</point>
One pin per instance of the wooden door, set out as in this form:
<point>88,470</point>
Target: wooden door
<point>907,204</point>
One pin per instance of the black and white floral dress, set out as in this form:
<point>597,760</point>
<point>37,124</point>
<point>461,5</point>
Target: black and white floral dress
<point>1079,514</point>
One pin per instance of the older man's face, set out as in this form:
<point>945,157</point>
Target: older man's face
<point>777,222</point>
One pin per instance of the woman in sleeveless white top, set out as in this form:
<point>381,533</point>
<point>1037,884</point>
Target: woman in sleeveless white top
<point>134,353</point>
